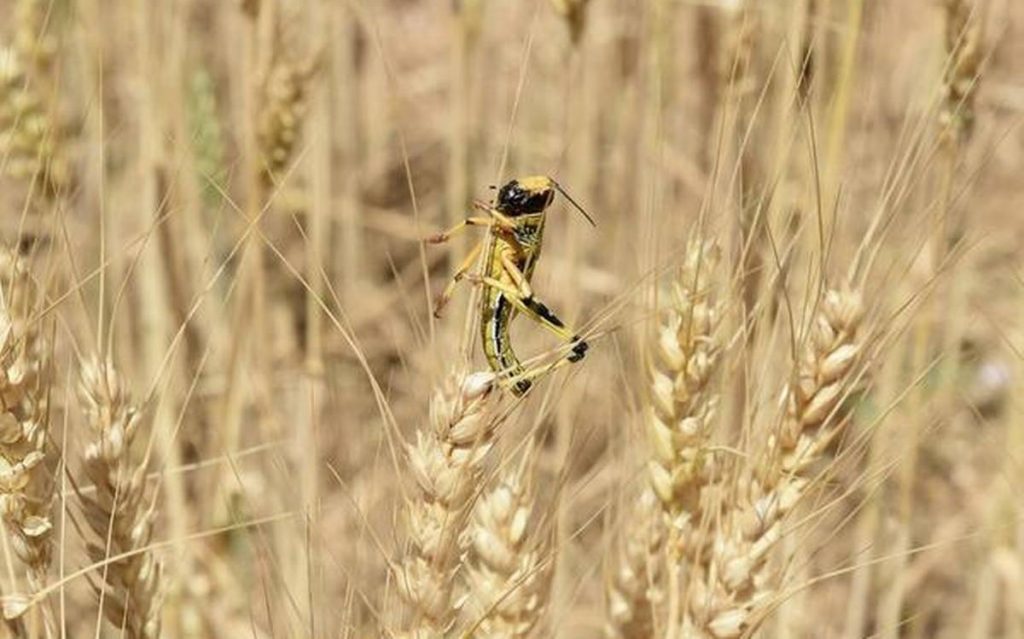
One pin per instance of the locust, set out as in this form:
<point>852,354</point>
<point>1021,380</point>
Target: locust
<point>513,246</point>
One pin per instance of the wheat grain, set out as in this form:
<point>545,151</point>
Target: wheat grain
<point>509,581</point>
<point>446,461</point>
<point>678,415</point>
<point>681,405</point>
<point>282,111</point>
<point>634,582</point>
<point>738,583</point>
<point>31,139</point>
<point>27,458</point>
<point>119,512</point>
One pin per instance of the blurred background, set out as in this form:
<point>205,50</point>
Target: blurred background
<point>224,201</point>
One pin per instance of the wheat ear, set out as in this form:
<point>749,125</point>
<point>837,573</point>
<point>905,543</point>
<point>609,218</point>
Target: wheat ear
<point>119,512</point>
<point>27,457</point>
<point>738,583</point>
<point>447,463</point>
<point>680,407</point>
<point>509,581</point>
<point>681,404</point>
<point>30,137</point>
<point>282,111</point>
<point>634,580</point>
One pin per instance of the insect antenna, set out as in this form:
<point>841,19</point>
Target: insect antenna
<point>574,203</point>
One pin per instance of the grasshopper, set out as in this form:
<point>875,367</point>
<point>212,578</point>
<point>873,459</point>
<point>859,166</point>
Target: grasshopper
<point>516,223</point>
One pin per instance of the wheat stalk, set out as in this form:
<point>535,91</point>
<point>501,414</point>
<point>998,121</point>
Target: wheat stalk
<point>509,581</point>
<point>119,512</point>
<point>737,584</point>
<point>27,458</point>
<point>446,461</point>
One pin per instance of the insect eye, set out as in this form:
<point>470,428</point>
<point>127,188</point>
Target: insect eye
<point>509,194</point>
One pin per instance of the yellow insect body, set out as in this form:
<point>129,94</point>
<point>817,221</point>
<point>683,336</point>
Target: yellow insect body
<point>517,232</point>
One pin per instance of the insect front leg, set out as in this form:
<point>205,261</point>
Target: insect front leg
<point>460,273</point>
<point>444,236</point>
<point>541,313</point>
<point>495,219</point>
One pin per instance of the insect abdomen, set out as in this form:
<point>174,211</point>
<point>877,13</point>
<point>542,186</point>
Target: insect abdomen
<point>495,338</point>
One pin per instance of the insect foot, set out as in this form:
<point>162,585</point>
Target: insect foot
<point>439,305</point>
<point>519,388</point>
<point>579,349</point>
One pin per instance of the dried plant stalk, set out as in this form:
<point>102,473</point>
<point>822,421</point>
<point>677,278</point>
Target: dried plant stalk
<point>739,583</point>
<point>446,461</point>
<point>509,581</point>
<point>119,512</point>
<point>27,457</point>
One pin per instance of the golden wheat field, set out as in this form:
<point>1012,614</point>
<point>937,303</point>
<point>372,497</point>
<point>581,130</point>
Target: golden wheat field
<point>774,391</point>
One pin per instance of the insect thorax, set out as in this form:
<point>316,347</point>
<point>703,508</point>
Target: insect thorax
<point>528,232</point>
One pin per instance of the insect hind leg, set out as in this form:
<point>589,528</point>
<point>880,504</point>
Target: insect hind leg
<point>548,317</point>
<point>541,313</point>
<point>536,310</point>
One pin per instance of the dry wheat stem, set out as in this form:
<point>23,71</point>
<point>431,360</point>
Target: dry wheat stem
<point>509,581</point>
<point>120,512</point>
<point>447,463</point>
<point>738,584</point>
